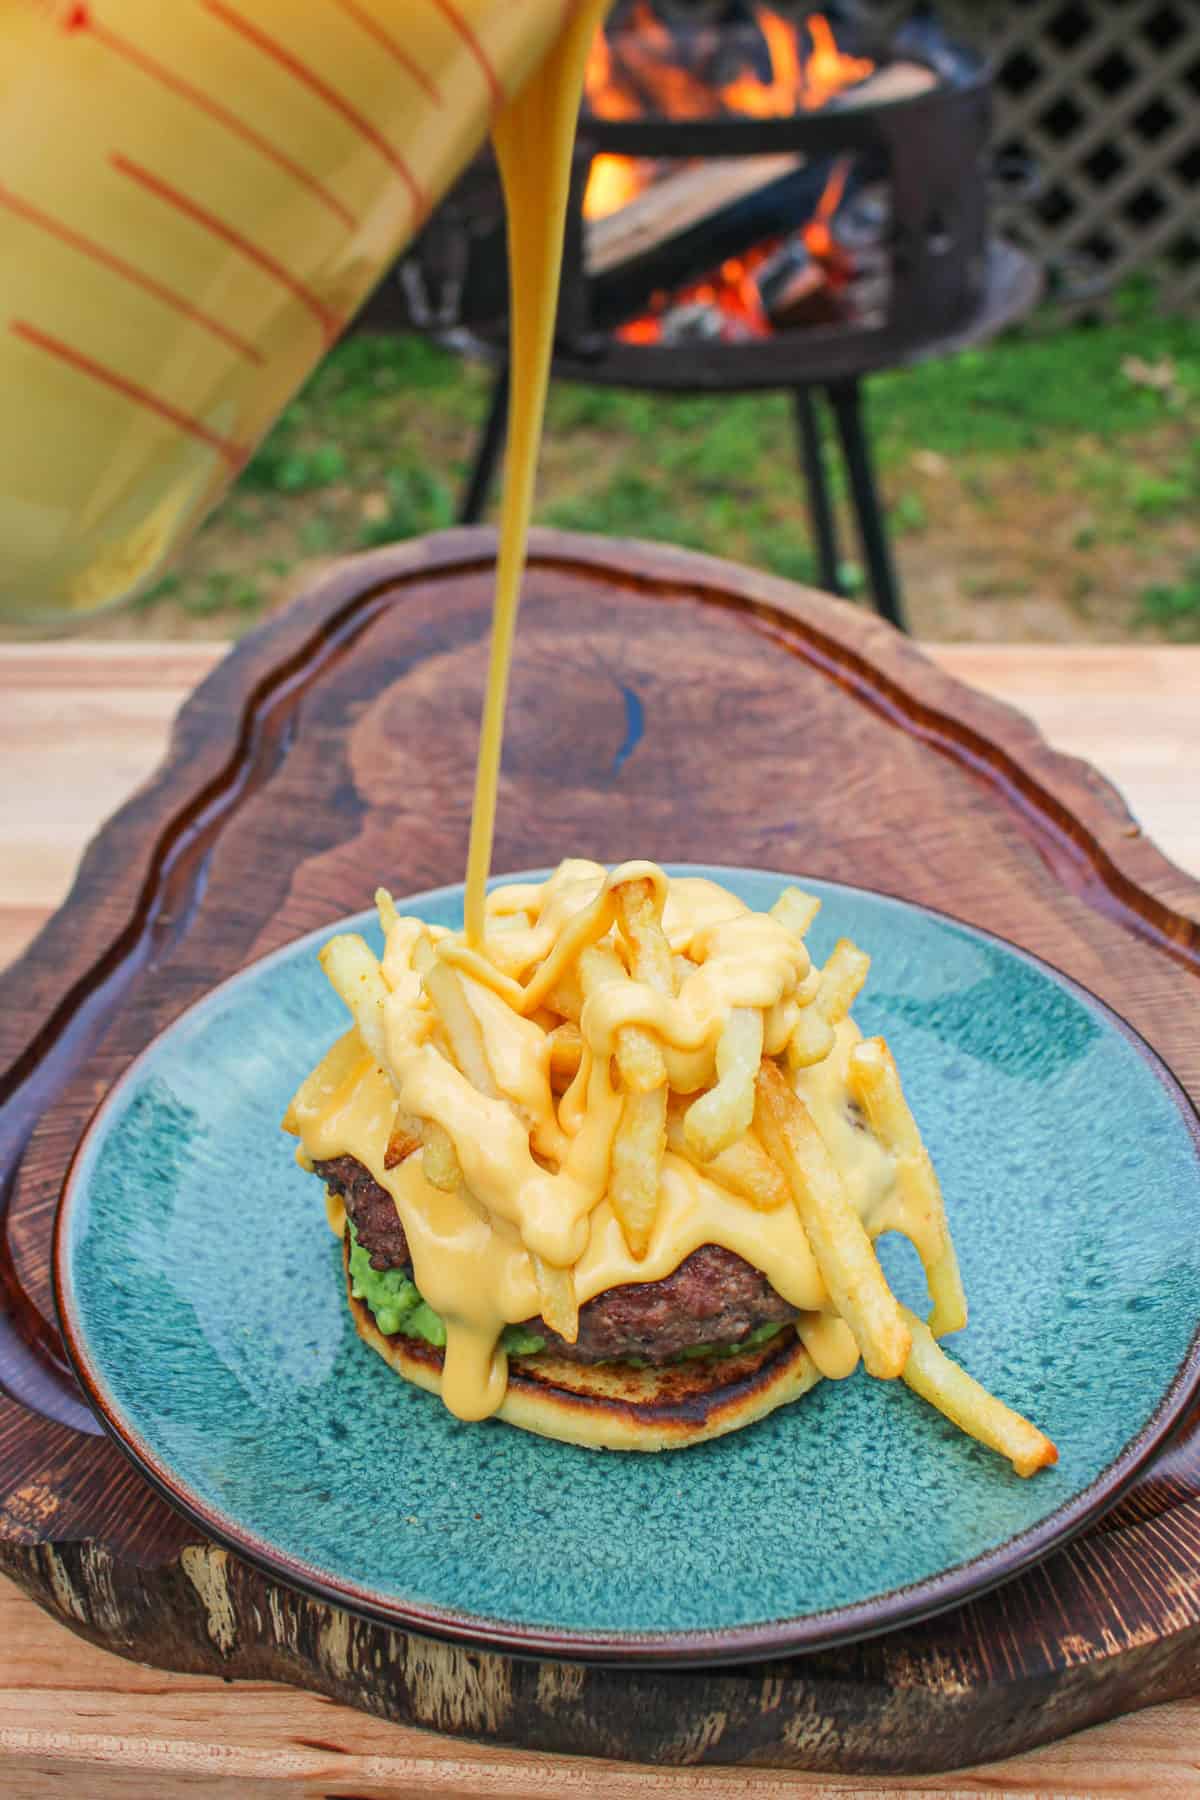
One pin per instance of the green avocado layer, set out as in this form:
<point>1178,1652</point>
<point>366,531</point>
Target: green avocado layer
<point>396,1303</point>
<point>397,1306</point>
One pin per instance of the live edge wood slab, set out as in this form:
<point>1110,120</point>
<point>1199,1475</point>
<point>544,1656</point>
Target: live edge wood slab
<point>660,700</point>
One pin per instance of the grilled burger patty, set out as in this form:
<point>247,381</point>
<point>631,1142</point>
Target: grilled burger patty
<point>370,1210</point>
<point>713,1297</point>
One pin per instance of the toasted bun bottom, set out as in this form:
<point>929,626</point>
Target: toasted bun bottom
<point>613,1406</point>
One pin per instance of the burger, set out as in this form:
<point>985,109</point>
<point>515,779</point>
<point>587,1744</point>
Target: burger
<point>654,1365</point>
<point>613,1174</point>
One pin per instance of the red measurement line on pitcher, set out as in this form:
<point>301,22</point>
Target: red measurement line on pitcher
<point>86,246</point>
<point>329,321</point>
<point>221,115</point>
<point>387,42</point>
<point>309,78</point>
<point>233,453</point>
<point>450,12</point>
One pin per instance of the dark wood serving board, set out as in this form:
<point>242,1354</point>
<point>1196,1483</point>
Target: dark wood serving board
<point>662,702</point>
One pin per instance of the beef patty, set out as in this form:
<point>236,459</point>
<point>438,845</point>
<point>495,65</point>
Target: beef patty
<point>713,1297</point>
<point>370,1210</point>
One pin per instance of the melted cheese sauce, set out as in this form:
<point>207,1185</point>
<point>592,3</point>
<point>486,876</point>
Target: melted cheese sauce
<point>535,1167</point>
<point>534,137</point>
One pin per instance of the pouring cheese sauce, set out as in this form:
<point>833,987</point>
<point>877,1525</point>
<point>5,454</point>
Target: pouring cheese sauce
<point>522,1218</point>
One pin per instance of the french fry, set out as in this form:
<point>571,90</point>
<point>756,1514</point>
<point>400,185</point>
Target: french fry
<point>722,1115</point>
<point>556,1292</point>
<point>743,1169</point>
<point>641,1136</point>
<point>354,973</point>
<point>795,910</point>
<point>930,1373</point>
<point>640,921</point>
<point>564,1053</point>
<point>636,1166</point>
<point>385,906</point>
<point>874,1081</point>
<point>638,1052</point>
<point>318,1088</point>
<point>808,989</point>
<point>598,965</point>
<point>440,1160</point>
<point>566,997</point>
<point>746,1169</point>
<point>844,1253</point>
<point>812,1038</point>
<point>841,979</point>
<point>404,1138</point>
<point>640,1060</point>
<point>444,987</point>
<point>682,968</point>
<point>499,923</point>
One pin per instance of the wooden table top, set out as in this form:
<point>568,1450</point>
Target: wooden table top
<point>80,728</point>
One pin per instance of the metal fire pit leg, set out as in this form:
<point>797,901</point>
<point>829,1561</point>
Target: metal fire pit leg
<point>475,499</point>
<point>820,512</point>
<point>844,397</point>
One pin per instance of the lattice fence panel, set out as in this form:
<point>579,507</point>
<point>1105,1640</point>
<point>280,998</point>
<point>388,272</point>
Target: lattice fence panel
<point>1104,97</point>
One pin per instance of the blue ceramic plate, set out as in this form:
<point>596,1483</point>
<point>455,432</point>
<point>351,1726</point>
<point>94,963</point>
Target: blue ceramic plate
<point>201,1296</point>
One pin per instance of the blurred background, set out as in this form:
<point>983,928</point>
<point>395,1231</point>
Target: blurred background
<point>1042,484</point>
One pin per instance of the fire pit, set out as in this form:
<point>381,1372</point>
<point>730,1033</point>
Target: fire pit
<point>760,201</point>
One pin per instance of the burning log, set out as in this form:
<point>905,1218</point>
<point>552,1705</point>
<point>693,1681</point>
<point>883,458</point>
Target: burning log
<point>894,81</point>
<point>689,223</point>
<point>685,224</point>
<point>796,291</point>
<point>687,200</point>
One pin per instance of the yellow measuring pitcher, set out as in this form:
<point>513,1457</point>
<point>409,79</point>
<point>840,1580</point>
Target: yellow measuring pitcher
<point>195,195</point>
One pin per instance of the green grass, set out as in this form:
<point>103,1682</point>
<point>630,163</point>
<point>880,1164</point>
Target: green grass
<point>415,501</point>
<point>1174,607</point>
<point>1016,395</point>
<point>278,468</point>
<point>376,446</point>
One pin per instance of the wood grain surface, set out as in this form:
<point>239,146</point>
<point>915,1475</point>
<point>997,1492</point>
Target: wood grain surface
<point>334,750</point>
<point>1133,711</point>
<point>77,1723</point>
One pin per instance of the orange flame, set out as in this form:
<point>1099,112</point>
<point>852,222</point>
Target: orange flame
<point>648,76</point>
<point>785,92</point>
<point>826,70</point>
<point>818,238</point>
<point>613,181</point>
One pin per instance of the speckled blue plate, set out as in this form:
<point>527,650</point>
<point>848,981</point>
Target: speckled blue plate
<point>201,1297</point>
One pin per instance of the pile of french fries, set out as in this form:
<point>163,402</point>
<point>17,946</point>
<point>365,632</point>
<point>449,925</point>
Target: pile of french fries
<point>747,1129</point>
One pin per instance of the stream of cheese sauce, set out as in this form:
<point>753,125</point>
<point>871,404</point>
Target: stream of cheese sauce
<point>534,137</point>
<point>535,1167</point>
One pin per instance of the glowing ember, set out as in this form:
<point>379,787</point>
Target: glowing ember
<point>731,292</point>
<point>646,76</point>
